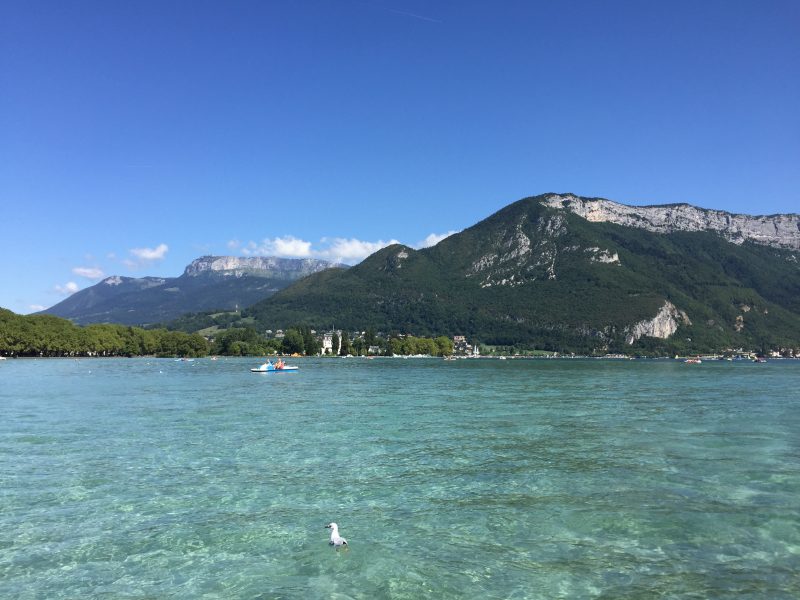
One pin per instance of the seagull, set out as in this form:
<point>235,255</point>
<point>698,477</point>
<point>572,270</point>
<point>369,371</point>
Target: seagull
<point>336,540</point>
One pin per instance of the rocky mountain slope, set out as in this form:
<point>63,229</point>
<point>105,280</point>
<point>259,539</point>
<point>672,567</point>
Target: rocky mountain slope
<point>782,231</point>
<point>259,266</point>
<point>561,272</point>
<point>208,283</point>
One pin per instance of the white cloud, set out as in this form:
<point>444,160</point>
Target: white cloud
<point>68,288</point>
<point>434,238</point>
<point>290,246</point>
<point>89,272</point>
<point>157,253</point>
<point>36,307</point>
<point>144,256</point>
<point>351,250</point>
<point>286,246</point>
<point>334,249</point>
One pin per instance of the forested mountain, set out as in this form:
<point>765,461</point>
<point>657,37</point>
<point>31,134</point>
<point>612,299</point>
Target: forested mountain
<point>574,274</point>
<point>208,283</point>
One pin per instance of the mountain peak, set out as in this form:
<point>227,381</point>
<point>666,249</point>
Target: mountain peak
<point>389,258</point>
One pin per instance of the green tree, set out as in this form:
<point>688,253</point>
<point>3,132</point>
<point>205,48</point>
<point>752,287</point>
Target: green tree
<point>46,335</point>
<point>345,350</point>
<point>444,346</point>
<point>425,346</point>
<point>335,343</point>
<point>396,347</point>
<point>293,342</point>
<point>194,345</point>
<point>237,341</point>
<point>105,340</point>
<point>310,343</point>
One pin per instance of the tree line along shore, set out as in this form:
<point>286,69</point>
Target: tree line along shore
<point>46,335</point>
<point>49,336</point>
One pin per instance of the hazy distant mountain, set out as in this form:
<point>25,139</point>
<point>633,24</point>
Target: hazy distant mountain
<point>208,283</point>
<point>569,273</point>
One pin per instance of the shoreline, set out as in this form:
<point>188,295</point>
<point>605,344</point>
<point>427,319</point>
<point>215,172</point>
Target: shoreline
<point>703,357</point>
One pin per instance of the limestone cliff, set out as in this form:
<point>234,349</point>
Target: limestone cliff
<point>265,266</point>
<point>782,231</point>
<point>662,326</point>
<point>519,254</point>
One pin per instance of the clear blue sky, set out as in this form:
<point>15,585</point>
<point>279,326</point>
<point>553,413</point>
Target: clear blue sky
<point>137,136</point>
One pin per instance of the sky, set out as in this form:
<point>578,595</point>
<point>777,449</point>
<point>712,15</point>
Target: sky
<point>138,136</point>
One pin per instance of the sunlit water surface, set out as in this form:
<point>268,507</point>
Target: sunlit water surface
<point>144,478</point>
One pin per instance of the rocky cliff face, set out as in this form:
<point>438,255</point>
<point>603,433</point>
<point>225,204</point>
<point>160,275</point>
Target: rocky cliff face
<point>266,266</point>
<point>126,283</point>
<point>782,231</point>
<point>520,254</point>
<point>663,325</point>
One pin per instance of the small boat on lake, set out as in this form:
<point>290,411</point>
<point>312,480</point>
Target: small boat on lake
<point>693,361</point>
<point>279,367</point>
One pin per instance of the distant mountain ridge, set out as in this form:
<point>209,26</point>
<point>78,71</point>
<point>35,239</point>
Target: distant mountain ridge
<point>261,266</point>
<point>566,273</point>
<point>781,230</point>
<point>207,283</point>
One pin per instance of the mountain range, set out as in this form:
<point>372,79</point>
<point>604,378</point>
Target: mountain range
<point>561,272</point>
<point>554,272</point>
<point>208,283</point>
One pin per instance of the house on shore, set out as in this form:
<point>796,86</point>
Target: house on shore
<point>327,342</point>
<point>462,348</point>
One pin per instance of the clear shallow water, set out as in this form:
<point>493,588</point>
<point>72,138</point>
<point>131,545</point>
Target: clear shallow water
<point>142,478</point>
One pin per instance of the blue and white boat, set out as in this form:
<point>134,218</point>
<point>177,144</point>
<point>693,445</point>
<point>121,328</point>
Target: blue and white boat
<point>268,367</point>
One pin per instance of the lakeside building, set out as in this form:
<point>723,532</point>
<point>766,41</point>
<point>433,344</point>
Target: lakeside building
<point>327,342</point>
<point>463,348</point>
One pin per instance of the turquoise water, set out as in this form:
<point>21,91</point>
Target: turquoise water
<point>143,478</point>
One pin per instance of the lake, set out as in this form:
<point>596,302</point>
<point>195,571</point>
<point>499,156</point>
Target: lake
<point>151,478</point>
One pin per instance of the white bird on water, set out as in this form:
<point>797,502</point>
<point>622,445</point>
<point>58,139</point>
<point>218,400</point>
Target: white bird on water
<point>336,540</point>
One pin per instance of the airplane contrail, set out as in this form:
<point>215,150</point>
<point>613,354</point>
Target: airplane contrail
<point>414,15</point>
<point>396,11</point>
